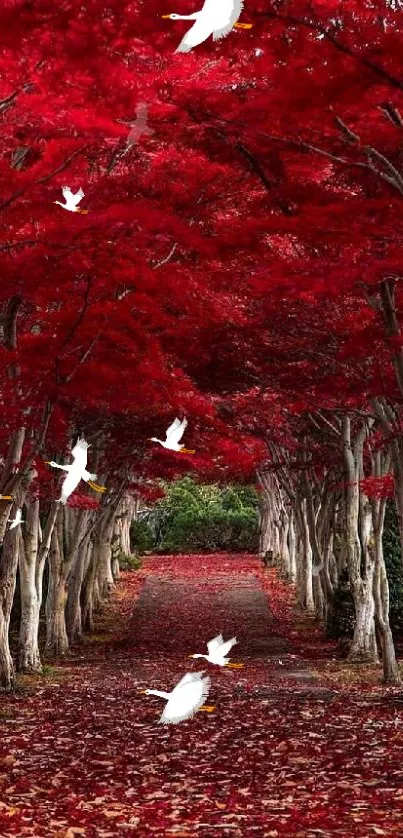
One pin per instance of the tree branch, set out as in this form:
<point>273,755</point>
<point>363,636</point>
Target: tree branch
<point>316,27</point>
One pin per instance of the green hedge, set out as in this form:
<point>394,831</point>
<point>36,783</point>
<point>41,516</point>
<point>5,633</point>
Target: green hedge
<point>199,518</point>
<point>393,562</point>
<point>141,538</point>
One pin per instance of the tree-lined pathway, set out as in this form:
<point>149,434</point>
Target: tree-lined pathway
<point>282,755</point>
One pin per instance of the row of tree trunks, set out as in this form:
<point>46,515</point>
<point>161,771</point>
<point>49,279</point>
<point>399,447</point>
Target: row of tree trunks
<point>315,531</point>
<point>77,544</point>
<point>8,576</point>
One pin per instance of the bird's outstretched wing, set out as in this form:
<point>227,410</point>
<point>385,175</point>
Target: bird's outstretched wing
<point>188,678</point>
<point>175,424</point>
<point>176,430</point>
<point>187,700</point>
<point>214,644</point>
<point>197,33</point>
<point>78,195</point>
<point>79,452</point>
<point>67,193</point>
<point>232,9</point>
<point>69,484</point>
<point>224,649</point>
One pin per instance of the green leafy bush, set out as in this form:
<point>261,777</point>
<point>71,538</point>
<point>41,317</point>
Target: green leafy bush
<point>141,537</point>
<point>199,518</point>
<point>393,562</point>
<point>129,562</point>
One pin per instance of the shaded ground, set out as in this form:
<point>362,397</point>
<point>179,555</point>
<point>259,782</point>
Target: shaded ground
<point>289,751</point>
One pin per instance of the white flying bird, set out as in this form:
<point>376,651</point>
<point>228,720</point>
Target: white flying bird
<point>173,435</point>
<point>76,471</point>
<point>72,200</point>
<point>185,699</point>
<point>140,126</point>
<point>217,651</point>
<point>17,520</point>
<point>216,18</point>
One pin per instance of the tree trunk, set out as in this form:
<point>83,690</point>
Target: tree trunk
<point>307,600</point>
<point>362,646</point>
<point>105,578</point>
<point>13,458</point>
<point>263,525</point>
<point>87,603</point>
<point>31,593</point>
<point>360,559</point>
<point>391,674</point>
<point>56,633</point>
<point>8,572</point>
<point>284,551</point>
<point>32,557</point>
<point>122,526</point>
<point>75,585</point>
<point>70,531</point>
<point>292,548</point>
<point>28,650</point>
<point>102,547</point>
<point>265,520</point>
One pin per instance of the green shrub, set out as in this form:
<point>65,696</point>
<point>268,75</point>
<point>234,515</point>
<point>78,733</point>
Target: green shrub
<point>207,518</point>
<point>129,562</point>
<point>141,537</point>
<point>393,562</point>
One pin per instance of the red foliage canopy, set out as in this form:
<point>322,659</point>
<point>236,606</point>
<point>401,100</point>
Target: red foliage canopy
<point>224,255</point>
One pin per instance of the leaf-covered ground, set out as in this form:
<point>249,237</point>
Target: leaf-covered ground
<point>292,748</point>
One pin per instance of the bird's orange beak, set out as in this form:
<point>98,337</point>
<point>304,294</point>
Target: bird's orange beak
<point>165,16</point>
<point>143,692</point>
<point>6,497</point>
<point>48,462</point>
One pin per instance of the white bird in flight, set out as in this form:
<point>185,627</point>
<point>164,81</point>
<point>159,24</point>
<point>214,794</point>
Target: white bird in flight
<point>216,18</point>
<point>76,471</point>
<point>140,126</point>
<point>72,200</point>
<point>173,435</point>
<point>185,699</point>
<point>217,650</point>
<point>17,520</point>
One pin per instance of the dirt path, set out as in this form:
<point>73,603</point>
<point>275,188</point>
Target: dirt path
<point>282,755</point>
